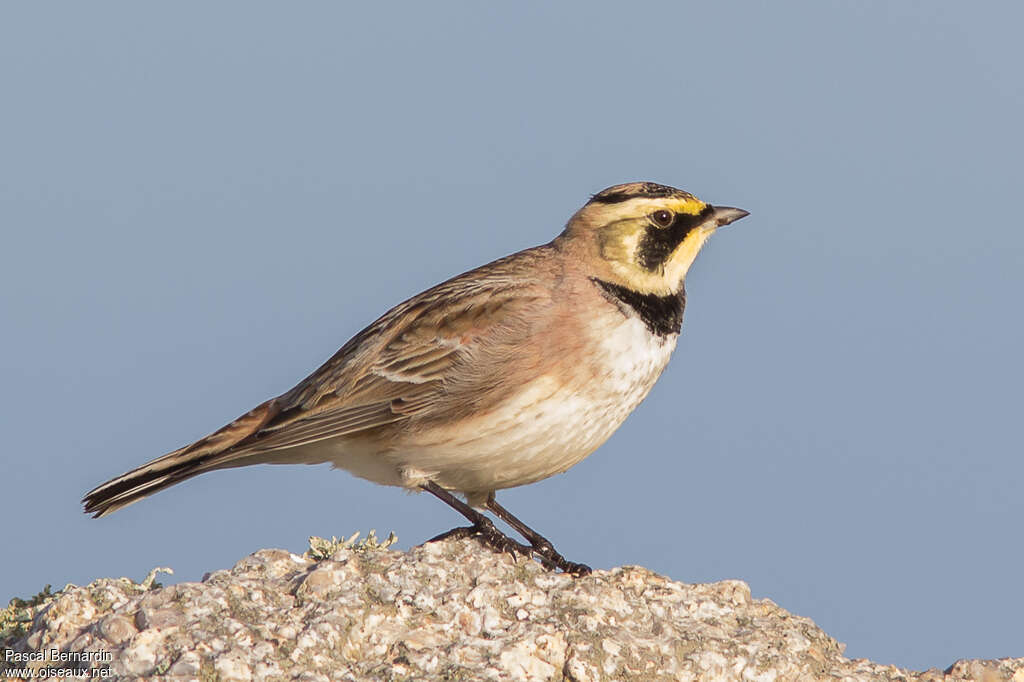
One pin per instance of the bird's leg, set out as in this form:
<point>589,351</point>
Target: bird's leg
<point>482,527</point>
<point>540,544</point>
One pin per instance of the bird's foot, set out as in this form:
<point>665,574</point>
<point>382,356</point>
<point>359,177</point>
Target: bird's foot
<point>455,534</point>
<point>489,536</point>
<point>492,538</point>
<point>546,550</point>
<point>573,568</point>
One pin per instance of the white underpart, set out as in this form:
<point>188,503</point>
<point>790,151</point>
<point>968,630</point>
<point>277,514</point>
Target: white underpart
<point>551,424</point>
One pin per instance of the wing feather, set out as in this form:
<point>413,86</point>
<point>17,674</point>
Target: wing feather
<point>436,356</point>
<point>412,363</point>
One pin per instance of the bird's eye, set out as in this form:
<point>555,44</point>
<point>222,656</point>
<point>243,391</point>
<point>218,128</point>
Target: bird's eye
<point>662,218</point>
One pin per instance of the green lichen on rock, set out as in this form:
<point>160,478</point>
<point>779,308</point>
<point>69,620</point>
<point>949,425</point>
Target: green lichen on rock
<point>16,619</point>
<point>446,610</point>
<point>321,548</point>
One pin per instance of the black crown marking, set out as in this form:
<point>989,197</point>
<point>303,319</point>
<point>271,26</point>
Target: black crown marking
<point>646,190</point>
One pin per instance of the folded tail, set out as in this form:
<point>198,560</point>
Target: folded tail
<point>213,452</point>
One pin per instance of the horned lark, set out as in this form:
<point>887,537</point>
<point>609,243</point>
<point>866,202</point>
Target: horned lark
<point>499,377</point>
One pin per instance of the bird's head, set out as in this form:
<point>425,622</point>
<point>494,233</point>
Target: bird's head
<point>645,236</point>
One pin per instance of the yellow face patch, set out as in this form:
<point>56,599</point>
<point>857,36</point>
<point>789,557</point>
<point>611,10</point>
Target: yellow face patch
<point>648,256</point>
<point>678,264</point>
<point>647,234</point>
<point>690,205</point>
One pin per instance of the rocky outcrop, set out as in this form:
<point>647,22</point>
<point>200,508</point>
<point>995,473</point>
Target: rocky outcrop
<point>448,610</point>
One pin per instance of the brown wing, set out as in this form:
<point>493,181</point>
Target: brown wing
<point>433,356</point>
<point>417,362</point>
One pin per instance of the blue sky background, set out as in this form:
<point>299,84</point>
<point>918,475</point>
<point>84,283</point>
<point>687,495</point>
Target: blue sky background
<point>200,202</point>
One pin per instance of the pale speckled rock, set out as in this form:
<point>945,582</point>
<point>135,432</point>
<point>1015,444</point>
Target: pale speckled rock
<point>450,610</point>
